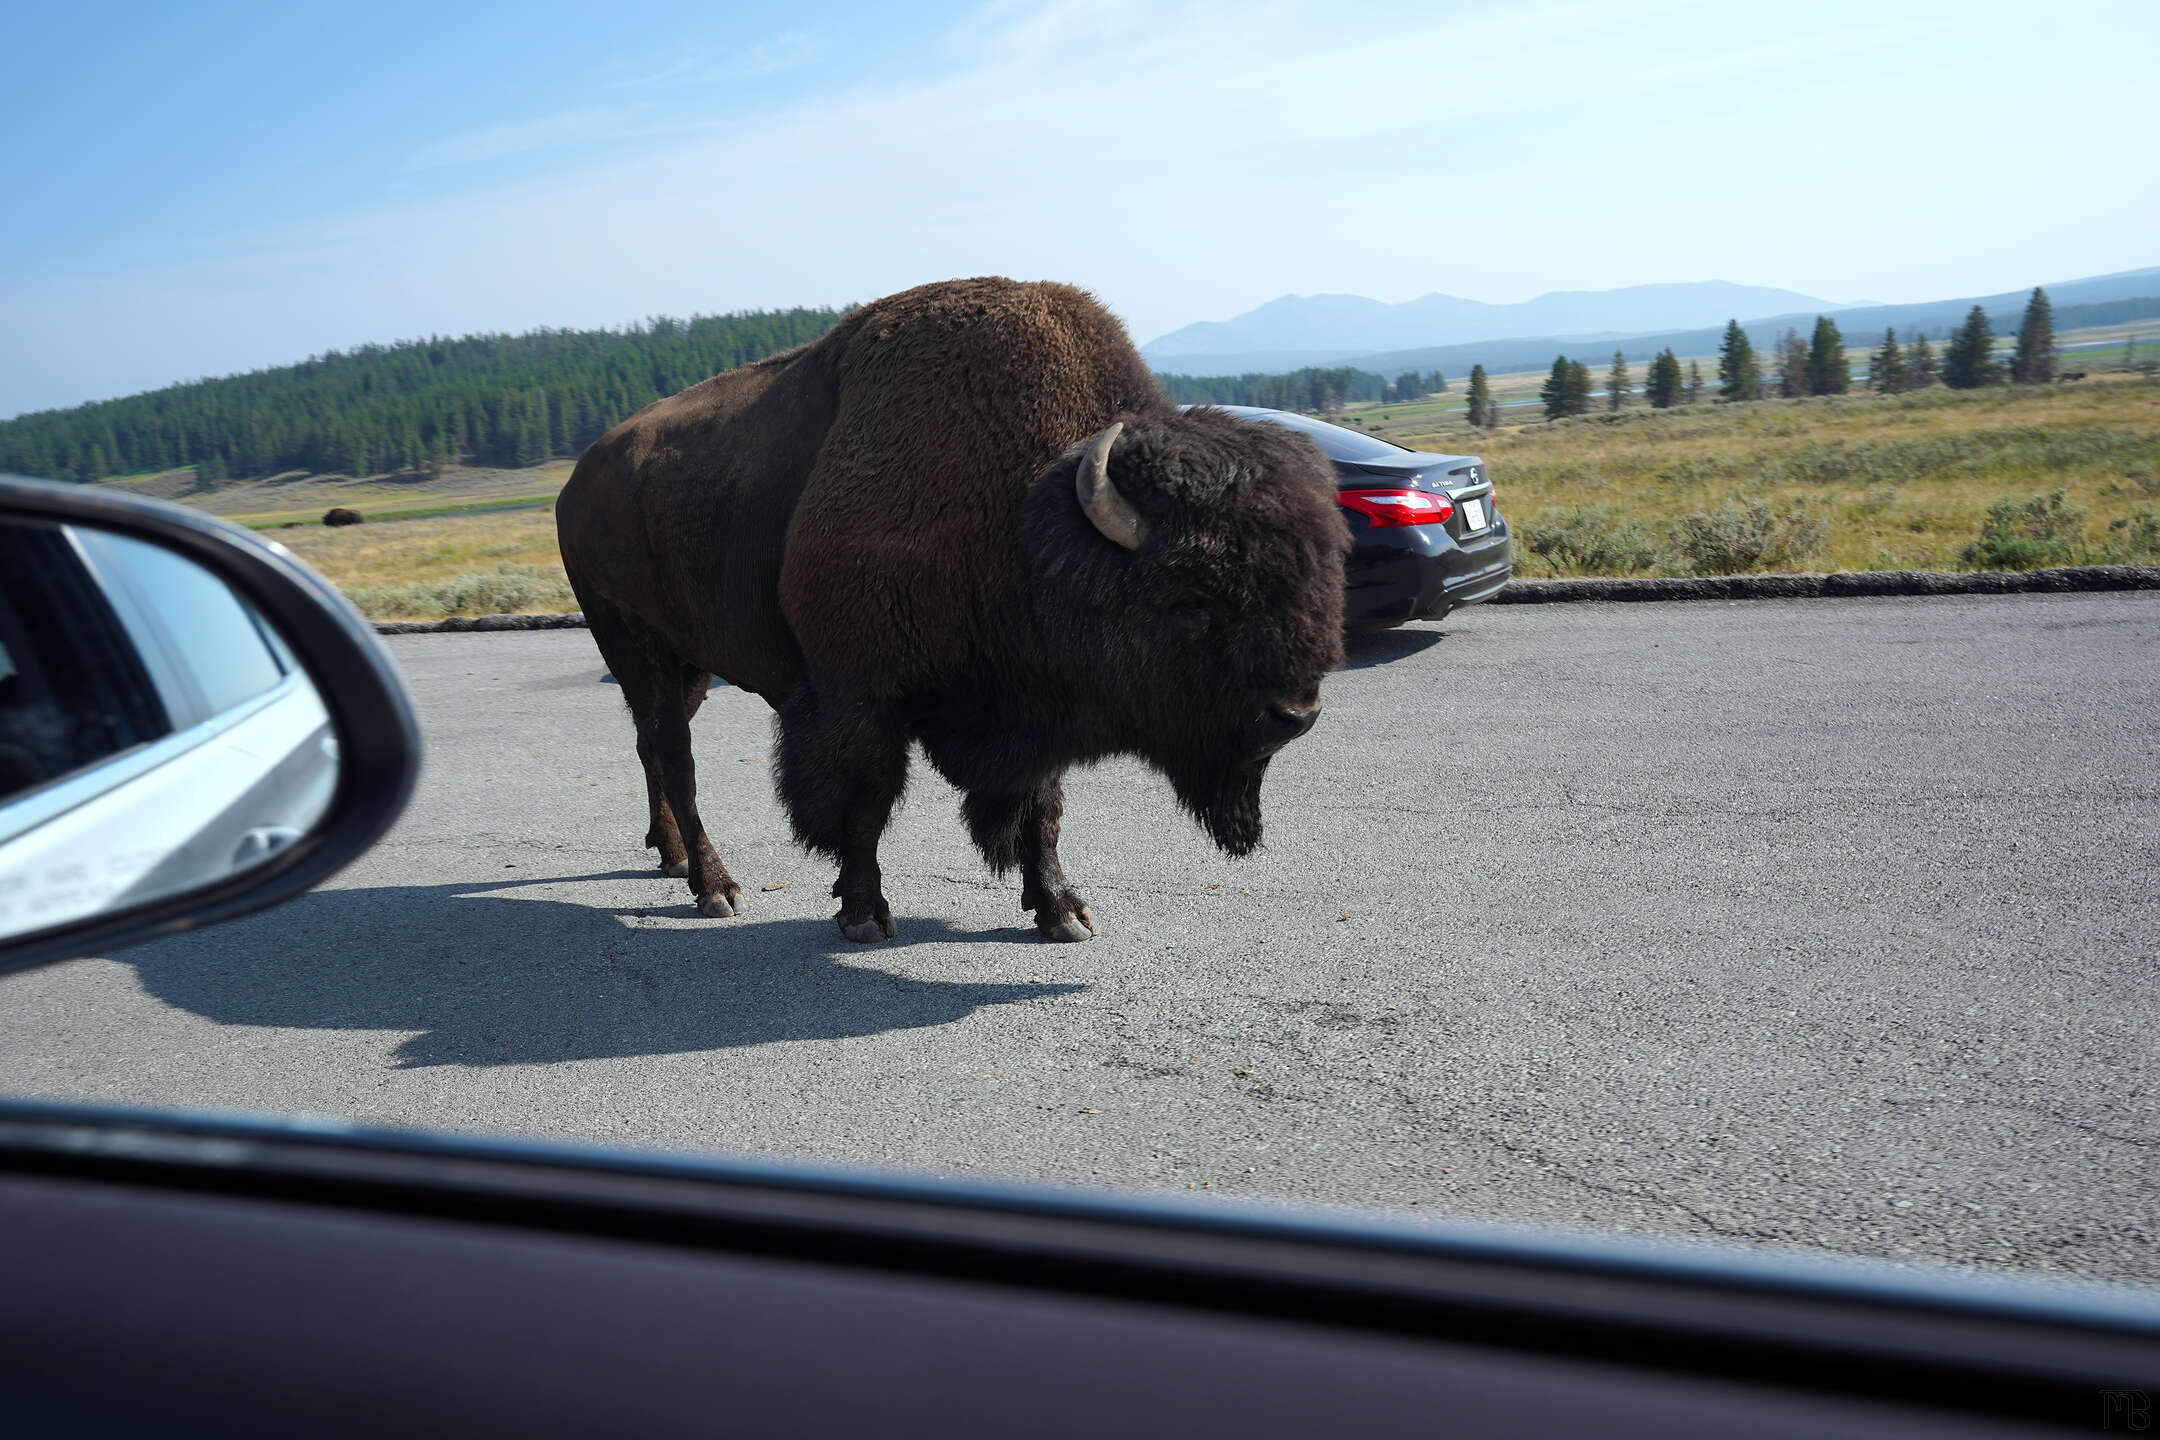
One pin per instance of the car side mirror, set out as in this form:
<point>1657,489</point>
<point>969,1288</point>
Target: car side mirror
<point>193,724</point>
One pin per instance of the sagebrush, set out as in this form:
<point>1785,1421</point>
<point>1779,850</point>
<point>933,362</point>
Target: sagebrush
<point>2029,534</point>
<point>1586,540</point>
<point>507,589</point>
<point>1741,536</point>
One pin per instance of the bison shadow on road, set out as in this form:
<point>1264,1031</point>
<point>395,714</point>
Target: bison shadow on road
<point>490,978</point>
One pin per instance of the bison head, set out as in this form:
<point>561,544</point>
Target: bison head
<point>1187,571</point>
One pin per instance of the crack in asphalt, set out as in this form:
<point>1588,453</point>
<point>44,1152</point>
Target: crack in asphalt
<point>2070,1122</point>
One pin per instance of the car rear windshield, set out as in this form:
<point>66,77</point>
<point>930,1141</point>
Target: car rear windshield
<point>1335,441</point>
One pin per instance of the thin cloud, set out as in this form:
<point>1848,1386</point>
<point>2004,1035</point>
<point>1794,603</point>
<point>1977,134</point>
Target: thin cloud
<point>789,51</point>
<point>588,125</point>
<point>782,52</point>
<point>1052,154</point>
<point>571,127</point>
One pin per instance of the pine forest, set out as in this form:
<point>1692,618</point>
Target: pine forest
<point>416,405</point>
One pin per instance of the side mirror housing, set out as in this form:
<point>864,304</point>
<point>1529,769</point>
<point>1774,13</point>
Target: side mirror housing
<point>193,724</point>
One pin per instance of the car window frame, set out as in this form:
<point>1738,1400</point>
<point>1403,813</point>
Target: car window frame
<point>131,758</point>
<point>186,697</point>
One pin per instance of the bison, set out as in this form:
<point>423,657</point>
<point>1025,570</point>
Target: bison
<point>967,516</point>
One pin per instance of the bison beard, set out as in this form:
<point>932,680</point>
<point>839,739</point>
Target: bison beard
<point>1226,802</point>
<point>967,517</point>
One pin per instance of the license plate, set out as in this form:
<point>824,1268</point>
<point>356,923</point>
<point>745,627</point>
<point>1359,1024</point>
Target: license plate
<point>1473,514</point>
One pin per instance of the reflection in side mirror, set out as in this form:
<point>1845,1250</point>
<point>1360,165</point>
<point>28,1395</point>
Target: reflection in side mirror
<point>178,711</point>
<point>155,736</point>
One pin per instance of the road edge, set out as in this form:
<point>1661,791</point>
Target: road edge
<point>575,620</point>
<point>1843,585</point>
<point>1835,586</point>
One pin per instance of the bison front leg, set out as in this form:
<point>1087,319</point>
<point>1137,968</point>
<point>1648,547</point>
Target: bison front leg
<point>1023,829</point>
<point>842,768</point>
<point>663,834</point>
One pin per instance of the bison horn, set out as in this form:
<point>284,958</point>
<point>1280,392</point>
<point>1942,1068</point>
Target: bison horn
<point>1112,513</point>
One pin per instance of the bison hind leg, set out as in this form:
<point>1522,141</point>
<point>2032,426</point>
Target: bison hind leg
<point>662,693</point>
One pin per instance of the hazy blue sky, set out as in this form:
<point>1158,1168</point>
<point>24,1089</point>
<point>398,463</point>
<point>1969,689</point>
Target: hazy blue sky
<point>200,188</point>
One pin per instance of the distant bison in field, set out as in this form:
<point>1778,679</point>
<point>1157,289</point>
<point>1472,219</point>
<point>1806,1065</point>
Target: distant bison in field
<point>967,516</point>
<point>339,515</point>
<point>2069,375</point>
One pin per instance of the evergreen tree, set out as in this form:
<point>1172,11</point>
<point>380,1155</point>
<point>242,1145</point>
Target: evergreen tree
<point>1665,387</point>
<point>1827,372</point>
<point>1920,371</point>
<point>1554,392</point>
<point>2034,362</point>
<point>1694,382</point>
<point>531,445</point>
<point>1738,377</point>
<point>1792,354</point>
<point>1483,413</point>
<point>1616,382</point>
<point>1969,359</point>
<point>1408,386</point>
<point>1567,389</point>
<point>1438,381</point>
<point>1886,367</point>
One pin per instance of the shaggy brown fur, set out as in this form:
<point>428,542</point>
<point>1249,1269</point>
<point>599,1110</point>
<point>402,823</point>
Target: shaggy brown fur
<point>878,533</point>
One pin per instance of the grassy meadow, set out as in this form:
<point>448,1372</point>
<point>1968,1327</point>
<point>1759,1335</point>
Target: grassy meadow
<point>301,499</point>
<point>469,541</point>
<point>491,563</point>
<point>1857,482</point>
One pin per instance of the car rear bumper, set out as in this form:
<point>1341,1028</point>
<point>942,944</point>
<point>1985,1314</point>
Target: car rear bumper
<point>1420,572</point>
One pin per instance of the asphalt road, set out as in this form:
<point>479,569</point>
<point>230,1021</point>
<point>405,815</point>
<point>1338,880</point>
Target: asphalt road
<point>1828,924</point>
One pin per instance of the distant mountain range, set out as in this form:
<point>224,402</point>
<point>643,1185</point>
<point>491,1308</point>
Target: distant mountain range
<point>1453,334</point>
<point>1336,325</point>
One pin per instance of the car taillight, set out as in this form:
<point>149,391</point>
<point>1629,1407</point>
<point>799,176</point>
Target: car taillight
<point>1397,507</point>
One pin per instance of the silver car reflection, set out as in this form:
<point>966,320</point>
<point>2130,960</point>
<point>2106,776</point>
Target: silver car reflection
<point>155,735</point>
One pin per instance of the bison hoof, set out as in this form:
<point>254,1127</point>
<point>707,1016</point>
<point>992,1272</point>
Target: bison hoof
<point>1070,921</point>
<point>675,869</point>
<point>865,926</point>
<point>717,906</point>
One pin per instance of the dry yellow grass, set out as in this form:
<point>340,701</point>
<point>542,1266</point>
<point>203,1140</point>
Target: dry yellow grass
<point>494,563</point>
<point>304,498</point>
<point>1903,481</point>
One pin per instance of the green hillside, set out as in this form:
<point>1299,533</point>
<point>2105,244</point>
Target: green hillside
<point>414,406</point>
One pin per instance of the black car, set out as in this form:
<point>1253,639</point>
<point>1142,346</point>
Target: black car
<point>1427,536</point>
